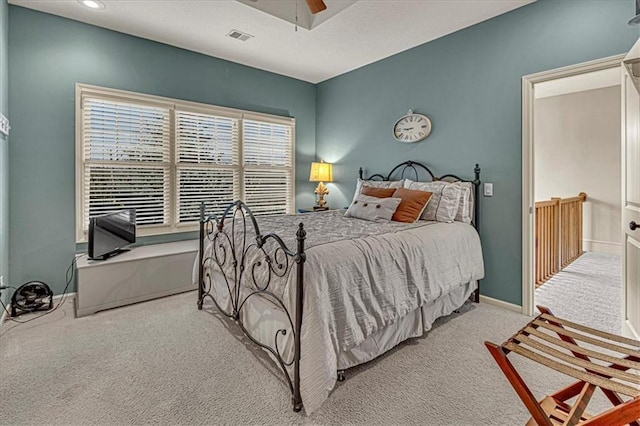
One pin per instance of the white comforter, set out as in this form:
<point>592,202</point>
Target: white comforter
<point>357,281</point>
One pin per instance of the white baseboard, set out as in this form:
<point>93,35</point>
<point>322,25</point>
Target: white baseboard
<point>606,247</point>
<point>501,304</point>
<point>3,317</point>
<point>628,331</point>
<point>68,295</point>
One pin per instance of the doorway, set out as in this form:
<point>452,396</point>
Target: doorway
<point>571,192</point>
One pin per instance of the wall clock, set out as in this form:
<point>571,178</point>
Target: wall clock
<point>412,127</point>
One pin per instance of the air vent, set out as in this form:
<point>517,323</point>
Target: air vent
<point>239,35</point>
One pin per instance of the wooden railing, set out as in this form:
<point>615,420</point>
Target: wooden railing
<point>547,229</point>
<point>558,232</point>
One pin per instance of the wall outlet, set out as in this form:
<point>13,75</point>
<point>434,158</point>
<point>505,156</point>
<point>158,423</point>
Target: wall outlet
<point>1,280</point>
<point>488,190</point>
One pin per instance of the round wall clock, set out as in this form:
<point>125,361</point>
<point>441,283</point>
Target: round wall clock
<point>412,127</point>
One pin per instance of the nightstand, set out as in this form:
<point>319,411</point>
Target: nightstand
<point>311,210</point>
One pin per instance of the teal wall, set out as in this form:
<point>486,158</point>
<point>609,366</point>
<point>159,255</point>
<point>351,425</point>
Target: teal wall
<point>4,147</point>
<point>469,83</point>
<point>48,55</point>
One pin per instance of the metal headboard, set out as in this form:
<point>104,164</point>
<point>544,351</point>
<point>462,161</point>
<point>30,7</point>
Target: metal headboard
<point>413,166</point>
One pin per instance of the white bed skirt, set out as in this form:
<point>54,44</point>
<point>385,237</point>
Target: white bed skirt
<point>263,319</point>
<point>412,325</point>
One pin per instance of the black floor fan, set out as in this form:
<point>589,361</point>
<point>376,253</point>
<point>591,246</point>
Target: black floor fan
<point>30,297</point>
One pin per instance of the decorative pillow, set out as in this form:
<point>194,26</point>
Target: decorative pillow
<point>377,192</point>
<point>465,209</point>
<point>444,201</point>
<point>413,204</point>
<point>372,208</point>
<point>377,184</point>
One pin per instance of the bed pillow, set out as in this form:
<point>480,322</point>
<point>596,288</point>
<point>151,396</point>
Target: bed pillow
<point>377,192</point>
<point>360,183</point>
<point>444,202</point>
<point>413,204</point>
<point>372,208</point>
<point>465,209</point>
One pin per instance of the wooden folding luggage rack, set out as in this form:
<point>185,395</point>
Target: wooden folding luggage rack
<point>611,363</point>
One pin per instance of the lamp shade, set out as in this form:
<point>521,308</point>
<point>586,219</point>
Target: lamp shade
<point>321,172</point>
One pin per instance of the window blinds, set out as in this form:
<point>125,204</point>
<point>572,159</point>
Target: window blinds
<point>125,160</point>
<point>207,163</point>
<point>268,166</point>
<point>163,157</point>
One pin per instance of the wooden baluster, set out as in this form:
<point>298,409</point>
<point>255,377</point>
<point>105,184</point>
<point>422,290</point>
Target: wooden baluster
<point>583,198</point>
<point>544,251</point>
<point>546,243</point>
<point>550,233</point>
<point>556,235</point>
<point>537,247</point>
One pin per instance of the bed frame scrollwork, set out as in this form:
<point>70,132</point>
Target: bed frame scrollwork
<point>247,274</point>
<point>250,263</point>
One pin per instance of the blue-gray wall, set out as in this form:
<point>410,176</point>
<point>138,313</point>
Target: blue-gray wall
<point>469,83</point>
<point>47,56</point>
<point>4,147</point>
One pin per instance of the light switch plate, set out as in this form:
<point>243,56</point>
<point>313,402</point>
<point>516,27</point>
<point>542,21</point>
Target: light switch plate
<point>4,125</point>
<point>488,190</point>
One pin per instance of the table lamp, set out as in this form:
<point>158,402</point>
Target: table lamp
<point>321,172</point>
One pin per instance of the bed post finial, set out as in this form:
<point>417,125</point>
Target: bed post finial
<point>360,173</point>
<point>476,170</point>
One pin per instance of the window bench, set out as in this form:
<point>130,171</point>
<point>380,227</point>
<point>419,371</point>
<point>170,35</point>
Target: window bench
<point>144,273</point>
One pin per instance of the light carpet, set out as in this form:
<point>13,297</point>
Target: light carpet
<point>588,291</point>
<point>165,362</point>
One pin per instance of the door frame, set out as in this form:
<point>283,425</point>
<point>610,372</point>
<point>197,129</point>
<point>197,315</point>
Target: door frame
<point>528,201</point>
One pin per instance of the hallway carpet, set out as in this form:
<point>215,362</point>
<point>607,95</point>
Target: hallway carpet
<point>588,291</point>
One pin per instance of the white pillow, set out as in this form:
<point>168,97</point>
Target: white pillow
<point>377,184</point>
<point>372,208</point>
<point>444,203</point>
<point>465,209</point>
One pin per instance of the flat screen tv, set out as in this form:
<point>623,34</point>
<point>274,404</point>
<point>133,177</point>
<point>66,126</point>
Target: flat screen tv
<point>110,233</point>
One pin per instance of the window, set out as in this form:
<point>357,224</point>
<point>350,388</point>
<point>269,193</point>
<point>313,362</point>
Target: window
<point>163,157</point>
<point>267,164</point>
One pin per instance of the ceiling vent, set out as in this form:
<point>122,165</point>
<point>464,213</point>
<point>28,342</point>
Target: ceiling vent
<point>239,35</point>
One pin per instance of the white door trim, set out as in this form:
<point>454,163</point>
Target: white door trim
<point>528,201</point>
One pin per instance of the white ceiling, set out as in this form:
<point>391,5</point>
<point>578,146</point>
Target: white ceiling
<point>578,83</point>
<point>364,32</point>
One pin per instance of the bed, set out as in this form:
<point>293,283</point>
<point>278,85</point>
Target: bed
<point>321,293</point>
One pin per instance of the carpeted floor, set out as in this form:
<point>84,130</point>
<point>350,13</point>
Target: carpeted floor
<point>588,291</point>
<point>164,362</point>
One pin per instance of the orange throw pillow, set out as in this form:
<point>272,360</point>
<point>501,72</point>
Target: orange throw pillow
<point>412,205</point>
<point>377,192</point>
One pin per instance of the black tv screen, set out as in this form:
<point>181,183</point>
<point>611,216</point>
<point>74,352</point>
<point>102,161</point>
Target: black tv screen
<point>109,233</point>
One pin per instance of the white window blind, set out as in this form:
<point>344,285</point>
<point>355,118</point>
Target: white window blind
<point>268,166</point>
<point>164,157</point>
<point>125,160</point>
<point>208,163</point>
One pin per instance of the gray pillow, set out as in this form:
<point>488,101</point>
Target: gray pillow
<point>465,209</point>
<point>444,202</point>
<point>372,208</point>
<point>377,184</point>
